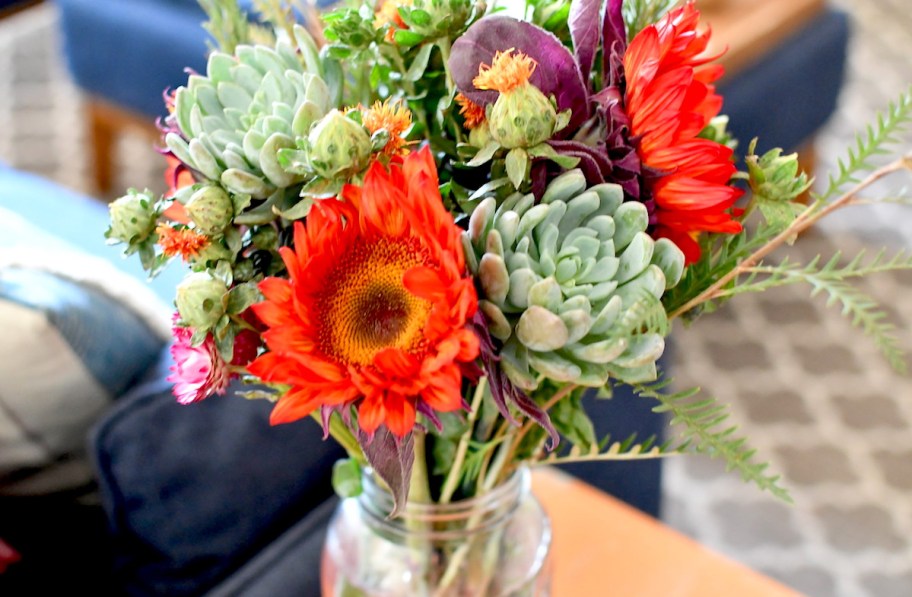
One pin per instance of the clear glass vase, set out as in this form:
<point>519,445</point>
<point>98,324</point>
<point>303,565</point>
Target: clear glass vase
<point>494,545</point>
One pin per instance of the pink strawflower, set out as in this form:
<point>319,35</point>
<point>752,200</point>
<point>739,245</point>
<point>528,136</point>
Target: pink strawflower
<point>198,371</point>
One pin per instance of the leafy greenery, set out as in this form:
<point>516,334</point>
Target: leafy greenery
<point>832,279</point>
<point>873,142</point>
<point>640,13</point>
<point>705,431</point>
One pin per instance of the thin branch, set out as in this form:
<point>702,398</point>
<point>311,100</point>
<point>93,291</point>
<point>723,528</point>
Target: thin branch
<point>805,220</point>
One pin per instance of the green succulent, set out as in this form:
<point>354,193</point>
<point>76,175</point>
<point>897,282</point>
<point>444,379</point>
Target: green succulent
<point>572,285</point>
<point>249,106</point>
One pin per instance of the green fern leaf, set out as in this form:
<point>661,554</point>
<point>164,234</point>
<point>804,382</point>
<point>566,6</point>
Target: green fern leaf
<point>704,430</point>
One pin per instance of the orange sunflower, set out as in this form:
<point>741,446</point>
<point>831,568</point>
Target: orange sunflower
<point>670,98</point>
<point>374,310</point>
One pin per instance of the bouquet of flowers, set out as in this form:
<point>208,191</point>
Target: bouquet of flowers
<point>433,227</point>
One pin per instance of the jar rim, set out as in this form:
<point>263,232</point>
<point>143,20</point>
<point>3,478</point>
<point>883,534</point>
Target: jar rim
<point>487,509</point>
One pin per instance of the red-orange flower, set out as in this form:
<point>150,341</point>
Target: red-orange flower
<point>375,307</point>
<point>670,98</point>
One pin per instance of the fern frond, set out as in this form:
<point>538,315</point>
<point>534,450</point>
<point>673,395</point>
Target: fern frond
<point>704,431</point>
<point>862,310</point>
<point>873,142</point>
<point>644,315</point>
<point>610,449</point>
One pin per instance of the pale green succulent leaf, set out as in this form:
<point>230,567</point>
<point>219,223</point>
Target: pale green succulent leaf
<point>567,185</point>
<point>630,218</point>
<point>541,330</point>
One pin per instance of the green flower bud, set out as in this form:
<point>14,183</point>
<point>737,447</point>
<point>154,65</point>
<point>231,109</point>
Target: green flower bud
<point>199,300</point>
<point>211,210</point>
<point>132,217</point>
<point>213,252</point>
<point>339,146</point>
<point>522,117</point>
<point>480,135</point>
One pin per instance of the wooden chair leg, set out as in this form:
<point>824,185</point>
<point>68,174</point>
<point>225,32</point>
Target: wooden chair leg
<point>807,163</point>
<point>102,137</point>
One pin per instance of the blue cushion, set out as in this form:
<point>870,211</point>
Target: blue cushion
<point>787,96</point>
<point>67,221</point>
<point>192,492</point>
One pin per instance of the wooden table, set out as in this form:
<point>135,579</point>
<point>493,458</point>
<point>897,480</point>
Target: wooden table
<point>603,547</point>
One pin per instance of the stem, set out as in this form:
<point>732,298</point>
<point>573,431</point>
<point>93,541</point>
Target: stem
<point>805,220</point>
<point>419,485</point>
<point>344,436</point>
<point>528,425</point>
<point>455,474</point>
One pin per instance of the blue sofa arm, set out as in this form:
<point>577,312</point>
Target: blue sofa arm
<point>787,96</point>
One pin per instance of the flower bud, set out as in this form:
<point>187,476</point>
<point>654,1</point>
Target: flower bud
<point>132,217</point>
<point>211,210</point>
<point>199,300</point>
<point>339,146</point>
<point>211,253</point>
<point>522,117</point>
<point>480,135</point>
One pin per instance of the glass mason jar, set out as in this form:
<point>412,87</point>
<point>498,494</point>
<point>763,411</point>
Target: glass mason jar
<point>494,545</point>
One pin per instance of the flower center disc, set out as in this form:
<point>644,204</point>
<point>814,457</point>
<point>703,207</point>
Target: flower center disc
<point>366,308</point>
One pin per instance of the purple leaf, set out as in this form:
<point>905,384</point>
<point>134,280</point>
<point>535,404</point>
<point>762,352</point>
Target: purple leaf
<point>392,459</point>
<point>585,22</point>
<point>614,34</point>
<point>502,389</point>
<point>556,74</point>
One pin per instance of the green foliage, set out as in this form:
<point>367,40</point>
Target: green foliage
<point>833,280</point>
<point>705,431</point>
<point>888,123</point>
<point>640,13</point>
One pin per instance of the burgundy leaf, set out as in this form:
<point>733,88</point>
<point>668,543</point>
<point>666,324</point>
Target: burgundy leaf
<point>585,22</point>
<point>614,35</point>
<point>392,459</point>
<point>556,74</point>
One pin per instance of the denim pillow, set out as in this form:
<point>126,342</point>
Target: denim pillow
<point>193,492</point>
<point>68,349</point>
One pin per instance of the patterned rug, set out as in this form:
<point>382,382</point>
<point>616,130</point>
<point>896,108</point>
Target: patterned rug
<point>812,394</point>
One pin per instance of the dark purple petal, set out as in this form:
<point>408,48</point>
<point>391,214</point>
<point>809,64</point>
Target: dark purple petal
<point>613,29</point>
<point>392,459</point>
<point>556,74</point>
<point>502,389</point>
<point>585,22</point>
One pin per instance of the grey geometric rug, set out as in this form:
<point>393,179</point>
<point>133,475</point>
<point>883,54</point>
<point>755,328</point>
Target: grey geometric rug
<point>812,394</point>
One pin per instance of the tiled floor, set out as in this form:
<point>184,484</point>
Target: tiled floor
<point>813,395</point>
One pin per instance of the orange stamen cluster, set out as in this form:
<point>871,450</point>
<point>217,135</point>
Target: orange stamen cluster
<point>183,242</point>
<point>365,308</point>
<point>506,72</point>
<point>393,116</point>
<point>473,113</point>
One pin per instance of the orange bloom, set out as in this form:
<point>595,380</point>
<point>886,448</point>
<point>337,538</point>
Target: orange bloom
<point>374,310</point>
<point>670,98</point>
<point>184,242</point>
<point>387,13</point>
<point>177,176</point>
<point>506,72</point>
<point>393,116</point>
<point>473,113</point>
